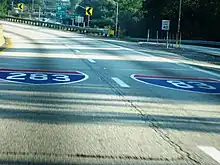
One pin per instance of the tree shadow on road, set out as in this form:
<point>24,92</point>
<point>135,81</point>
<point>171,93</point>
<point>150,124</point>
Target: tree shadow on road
<point>180,123</point>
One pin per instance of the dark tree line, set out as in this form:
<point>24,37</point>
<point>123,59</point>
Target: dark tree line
<point>200,18</point>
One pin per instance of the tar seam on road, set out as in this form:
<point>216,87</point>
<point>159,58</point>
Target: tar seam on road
<point>184,155</point>
<point>79,155</point>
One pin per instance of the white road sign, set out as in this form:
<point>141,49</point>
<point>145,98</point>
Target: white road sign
<point>165,25</point>
<point>79,19</point>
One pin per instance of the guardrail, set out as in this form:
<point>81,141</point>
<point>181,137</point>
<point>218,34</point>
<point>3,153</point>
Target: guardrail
<point>186,42</point>
<point>83,30</point>
<point>208,47</point>
<point>102,32</point>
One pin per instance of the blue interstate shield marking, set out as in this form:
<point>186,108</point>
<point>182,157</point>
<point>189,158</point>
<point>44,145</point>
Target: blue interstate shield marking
<point>42,77</point>
<point>186,84</point>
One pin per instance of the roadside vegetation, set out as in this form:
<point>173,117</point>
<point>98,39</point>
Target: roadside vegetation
<point>199,19</point>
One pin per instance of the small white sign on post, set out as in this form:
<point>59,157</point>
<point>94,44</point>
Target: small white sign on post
<point>79,19</point>
<point>82,20</point>
<point>165,25</point>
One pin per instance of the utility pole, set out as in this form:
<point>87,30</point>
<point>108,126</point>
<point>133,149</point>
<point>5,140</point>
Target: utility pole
<point>179,22</point>
<point>88,20</point>
<point>12,4</point>
<point>116,20</point>
<point>32,5</point>
<point>39,13</point>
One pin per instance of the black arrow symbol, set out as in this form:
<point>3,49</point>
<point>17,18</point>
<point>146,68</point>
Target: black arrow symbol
<point>20,6</point>
<point>88,11</point>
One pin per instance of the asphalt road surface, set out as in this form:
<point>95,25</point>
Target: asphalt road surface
<point>67,98</point>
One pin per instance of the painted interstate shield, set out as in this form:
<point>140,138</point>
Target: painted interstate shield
<point>41,77</point>
<point>202,85</point>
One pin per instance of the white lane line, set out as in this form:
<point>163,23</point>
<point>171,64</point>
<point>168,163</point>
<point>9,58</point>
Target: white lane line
<point>91,60</point>
<point>198,69</point>
<point>212,152</point>
<point>77,51</point>
<point>176,62</point>
<point>100,48</point>
<point>120,82</point>
<point>129,49</point>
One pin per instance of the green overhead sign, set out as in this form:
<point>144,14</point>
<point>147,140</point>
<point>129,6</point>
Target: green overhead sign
<point>73,15</point>
<point>61,11</point>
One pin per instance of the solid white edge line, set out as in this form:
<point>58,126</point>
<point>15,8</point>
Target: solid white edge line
<point>91,60</point>
<point>198,69</point>
<point>120,82</point>
<point>211,151</point>
<point>177,63</point>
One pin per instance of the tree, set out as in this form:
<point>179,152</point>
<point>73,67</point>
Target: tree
<point>103,12</point>
<point>74,3</point>
<point>200,18</point>
<point>4,7</point>
<point>130,13</point>
<point>130,16</point>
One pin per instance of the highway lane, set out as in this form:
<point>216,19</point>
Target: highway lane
<point>109,117</point>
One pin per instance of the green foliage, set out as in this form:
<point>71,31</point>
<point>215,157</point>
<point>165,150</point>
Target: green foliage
<point>74,3</point>
<point>200,18</point>
<point>4,7</point>
<point>130,12</point>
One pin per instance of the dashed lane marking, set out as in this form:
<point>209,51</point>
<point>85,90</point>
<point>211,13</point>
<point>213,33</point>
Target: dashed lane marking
<point>120,82</point>
<point>91,60</point>
<point>212,152</point>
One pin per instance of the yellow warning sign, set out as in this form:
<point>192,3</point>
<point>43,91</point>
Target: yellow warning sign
<point>21,6</point>
<point>89,11</point>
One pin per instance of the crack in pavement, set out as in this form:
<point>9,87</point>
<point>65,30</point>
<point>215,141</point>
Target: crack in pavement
<point>184,154</point>
<point>125,157</point>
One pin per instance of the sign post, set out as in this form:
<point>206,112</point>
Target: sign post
<point>21,8</point>
<point>39,13</point>
<point>88,20</point>
<point>148,35</point>
<point>166,27</point>
<point>89,11</point>
<point>72,17</point>
<point>167,39</point>
<point>157,36</point>
<point>79,19</point>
